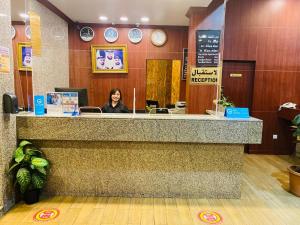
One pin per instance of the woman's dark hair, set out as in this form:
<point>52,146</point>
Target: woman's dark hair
<point>113,91</point>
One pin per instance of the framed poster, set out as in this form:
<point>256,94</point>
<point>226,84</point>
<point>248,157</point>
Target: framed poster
<point>24,56</point>
<point>207,48</point>
<point>109,59</point>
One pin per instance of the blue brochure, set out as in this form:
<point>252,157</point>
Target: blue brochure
<point>231,112</point>
<point>39,105</point>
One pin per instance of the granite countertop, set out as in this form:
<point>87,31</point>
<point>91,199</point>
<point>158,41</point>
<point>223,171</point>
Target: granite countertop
<point>145,116</point>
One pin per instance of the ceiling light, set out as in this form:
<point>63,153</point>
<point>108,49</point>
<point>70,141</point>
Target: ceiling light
<point>123,18</point>
<point>24,15</point>
<point>103,18</point>
<point>145,19</point>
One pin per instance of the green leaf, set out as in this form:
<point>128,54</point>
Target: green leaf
<point>23,178</point>
<point>24,142</point>
<point>19,154</point>
<point>296,120</point>
<point>27,158</point>
<point>37,181</point>
<point>33,151</point>
<point>39,162</point>
<point>297,132</point>
<point>13,167</point>
<point>41,170</point>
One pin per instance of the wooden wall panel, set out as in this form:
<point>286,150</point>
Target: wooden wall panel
<point>239,90</point>
<point>22,79</point>
<point>268,33</point>
<point>175,86</point>
<point>99,85</point>
<point>158,81</point>
<point>200,97</point>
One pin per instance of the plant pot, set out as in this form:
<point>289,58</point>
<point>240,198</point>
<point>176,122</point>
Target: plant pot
<point>32,196</point>
<point>295,179</point>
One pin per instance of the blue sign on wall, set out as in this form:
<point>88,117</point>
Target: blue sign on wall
<point>231,112</point>
<point>39,105</point>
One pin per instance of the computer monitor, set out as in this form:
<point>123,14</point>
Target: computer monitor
<point>82,94</point>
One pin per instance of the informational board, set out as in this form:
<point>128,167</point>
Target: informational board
<point>62,102</point>
<point>54,103</point>
<point>70,102</point>
<point>207,48</point>
<point>39,103</point>
<point>231,112</point>
<point>184,64</point>
<point>4,60</point>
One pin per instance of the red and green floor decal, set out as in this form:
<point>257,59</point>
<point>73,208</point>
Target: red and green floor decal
<point>210,217</point>
<point>46,215</point>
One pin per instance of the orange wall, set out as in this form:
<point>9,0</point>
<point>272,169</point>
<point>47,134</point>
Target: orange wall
<point>99,85</point>
<point>23,79</point>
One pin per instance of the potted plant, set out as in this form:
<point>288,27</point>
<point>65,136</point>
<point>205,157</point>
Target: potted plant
<point>29,170</point>
<point>223,102</point>
<point>294,170</point>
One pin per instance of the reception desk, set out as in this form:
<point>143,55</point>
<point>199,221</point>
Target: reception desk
<point>142,155</point>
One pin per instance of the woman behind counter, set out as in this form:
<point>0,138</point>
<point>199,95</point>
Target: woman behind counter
<point>115,104</point>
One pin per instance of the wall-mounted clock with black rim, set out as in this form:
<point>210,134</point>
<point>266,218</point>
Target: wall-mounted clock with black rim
<point>86,33</point>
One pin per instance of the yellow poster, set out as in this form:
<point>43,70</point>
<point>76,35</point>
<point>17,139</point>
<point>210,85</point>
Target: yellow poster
<point>4,60</point>
<point>35,26</point>
<point>205,75</point>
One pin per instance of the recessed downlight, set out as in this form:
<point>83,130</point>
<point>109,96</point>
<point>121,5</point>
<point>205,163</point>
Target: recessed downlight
<point>145,19</point>
<point>103,18</point>
<point>24,15</point>
<point>124,18</point>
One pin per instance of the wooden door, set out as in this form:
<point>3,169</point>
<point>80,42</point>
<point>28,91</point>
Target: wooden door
<point>237,82</point>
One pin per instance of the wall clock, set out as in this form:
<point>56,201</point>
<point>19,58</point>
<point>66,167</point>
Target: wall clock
<point>111,34</point>
<point>86,33</point>
<point>158,37</point>
<point>12,32</point>
<point>135,35</point>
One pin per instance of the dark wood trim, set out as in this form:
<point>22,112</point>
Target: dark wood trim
<point>131,26</point>
<point>193,10</point>
<point>17,23</point>
<point>215,4</point>
<point>55,10</point>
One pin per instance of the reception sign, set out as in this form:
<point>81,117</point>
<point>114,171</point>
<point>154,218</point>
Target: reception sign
<point>205,76</point>
<point>207,48</point>
<point>4,60</point>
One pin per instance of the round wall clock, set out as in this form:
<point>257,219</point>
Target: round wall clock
<point>135,35</point>
<point>12,32</point>
<point>111,34</point>
<point>158,37</point>
<point>28,32</point>
<point>86,33</point>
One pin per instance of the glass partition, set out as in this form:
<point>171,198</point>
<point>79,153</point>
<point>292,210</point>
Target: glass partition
<point>22,54</point>
<point>155,60</point>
